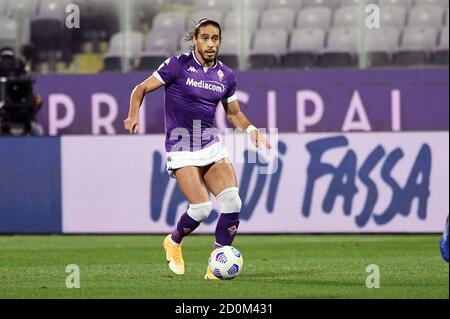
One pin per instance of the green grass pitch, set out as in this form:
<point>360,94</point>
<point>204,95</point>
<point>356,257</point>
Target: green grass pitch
<point>275,266</point>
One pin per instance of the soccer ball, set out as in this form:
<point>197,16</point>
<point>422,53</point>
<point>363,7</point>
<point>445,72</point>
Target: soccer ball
<point>226,262</point>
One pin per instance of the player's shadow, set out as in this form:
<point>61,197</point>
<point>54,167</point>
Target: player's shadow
<point>302,279</point>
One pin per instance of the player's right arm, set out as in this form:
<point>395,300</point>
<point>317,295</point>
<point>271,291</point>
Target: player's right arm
<point>131,123</point>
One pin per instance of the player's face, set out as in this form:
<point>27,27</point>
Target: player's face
<point>207,43</point>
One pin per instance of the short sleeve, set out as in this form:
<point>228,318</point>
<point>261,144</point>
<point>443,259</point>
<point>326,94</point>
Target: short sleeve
<point>231,92</point>
<point>167,71</point>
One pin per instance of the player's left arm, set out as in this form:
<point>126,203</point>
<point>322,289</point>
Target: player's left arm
<point>238,119</point>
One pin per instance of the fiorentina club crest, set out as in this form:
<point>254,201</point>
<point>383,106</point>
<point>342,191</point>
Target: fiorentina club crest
<point>232,230</point>
<point>220,74</point>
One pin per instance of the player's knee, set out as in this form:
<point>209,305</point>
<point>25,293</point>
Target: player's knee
<point>200,212</point>
<point>230,201</point>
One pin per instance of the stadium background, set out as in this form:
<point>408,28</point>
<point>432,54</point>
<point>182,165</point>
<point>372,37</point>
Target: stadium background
<point>302,67</point>
<point>372,103</point>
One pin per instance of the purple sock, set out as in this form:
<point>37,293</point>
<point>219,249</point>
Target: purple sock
<point>186,225</point>
<point>226,229</point>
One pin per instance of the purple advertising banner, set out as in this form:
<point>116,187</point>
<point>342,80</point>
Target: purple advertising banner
<point>292,101</point>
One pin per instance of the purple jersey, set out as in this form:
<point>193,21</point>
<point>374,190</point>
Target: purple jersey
<point>192,93</point>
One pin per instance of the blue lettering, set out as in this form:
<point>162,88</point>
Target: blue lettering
<point>402,198</point>
<point>372,193</point>
<point>420,189</point>
<point>316,169</point>
<point>342,184</point>
<point>158,186</point>
<point>395,205</point>
<point>343,181</point>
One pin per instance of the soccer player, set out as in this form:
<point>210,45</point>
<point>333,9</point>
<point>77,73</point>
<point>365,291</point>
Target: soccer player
<point>195,82</point>
<point>443,243</point>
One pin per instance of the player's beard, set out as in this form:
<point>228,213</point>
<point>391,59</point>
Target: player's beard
<point>208,58</point>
